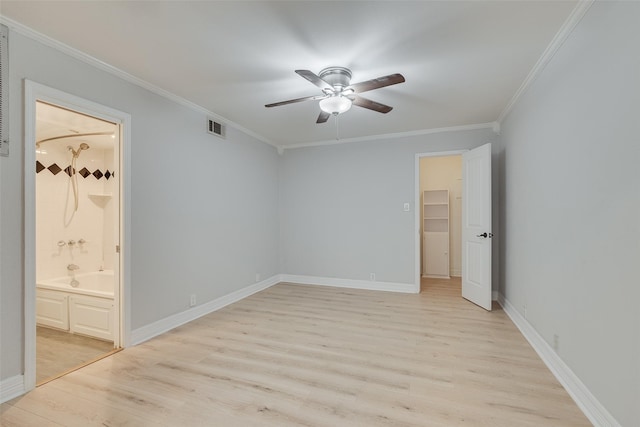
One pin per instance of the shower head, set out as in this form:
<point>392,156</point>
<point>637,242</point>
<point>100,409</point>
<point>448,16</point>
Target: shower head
<point>76,153</point>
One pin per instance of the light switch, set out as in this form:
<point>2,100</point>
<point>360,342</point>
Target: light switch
<point>407,207</point>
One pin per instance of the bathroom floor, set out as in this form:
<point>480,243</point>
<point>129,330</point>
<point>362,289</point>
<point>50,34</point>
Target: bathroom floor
<point>58,352</point>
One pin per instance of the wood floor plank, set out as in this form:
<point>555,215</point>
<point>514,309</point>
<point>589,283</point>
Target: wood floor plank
<point>297,355</point>
<point>13,416</point>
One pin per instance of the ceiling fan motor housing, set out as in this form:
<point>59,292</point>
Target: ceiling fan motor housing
<point>338,77</point>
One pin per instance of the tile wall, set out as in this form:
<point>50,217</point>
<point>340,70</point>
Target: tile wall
<point>56,220</point>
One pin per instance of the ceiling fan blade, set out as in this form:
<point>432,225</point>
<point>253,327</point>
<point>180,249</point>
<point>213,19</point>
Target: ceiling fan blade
<point>371,105</point>
<point>293,101</point>
<point>323,117</point>
<point>313,78</point>
<point>365,86</point>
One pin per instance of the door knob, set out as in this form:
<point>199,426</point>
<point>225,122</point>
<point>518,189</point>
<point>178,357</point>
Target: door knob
<point>485,235</point>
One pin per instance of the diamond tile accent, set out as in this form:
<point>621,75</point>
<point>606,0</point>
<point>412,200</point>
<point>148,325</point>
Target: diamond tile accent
<point>54,169</point>
<point>84,172</point>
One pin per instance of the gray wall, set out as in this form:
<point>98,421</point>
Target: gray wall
<point>570,234</point>
<point>204,210</point>
<point>342,206</point>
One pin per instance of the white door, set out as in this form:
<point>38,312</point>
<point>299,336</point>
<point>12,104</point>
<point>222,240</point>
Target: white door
<point>476,226</point>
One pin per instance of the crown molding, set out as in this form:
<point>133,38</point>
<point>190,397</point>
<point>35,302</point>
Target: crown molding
<point>491,125</point>
<point>559,39</point>
<point>88,59</point>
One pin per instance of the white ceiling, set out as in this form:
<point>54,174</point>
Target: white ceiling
<point>463,60</point>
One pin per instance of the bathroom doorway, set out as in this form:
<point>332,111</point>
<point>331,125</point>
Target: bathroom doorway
<point>76,232</point>
<point>77,224</point>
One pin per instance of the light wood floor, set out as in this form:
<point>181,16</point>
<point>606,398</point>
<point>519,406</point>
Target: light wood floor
<point>58,352</point>
<point>317,356</point>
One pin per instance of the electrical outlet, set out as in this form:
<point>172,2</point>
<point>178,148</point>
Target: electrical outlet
<point>372,276</point>
<point>192,300</point>
<point>407,207</point>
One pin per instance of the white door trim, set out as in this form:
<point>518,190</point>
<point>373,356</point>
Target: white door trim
<point>36,92</point>
<point>417,207</point>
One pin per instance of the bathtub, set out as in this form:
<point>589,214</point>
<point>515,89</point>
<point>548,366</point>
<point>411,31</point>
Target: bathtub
<point>97,284</point>
<point>87,309</point>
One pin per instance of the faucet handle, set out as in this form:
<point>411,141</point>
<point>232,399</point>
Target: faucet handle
<point>71,242</point>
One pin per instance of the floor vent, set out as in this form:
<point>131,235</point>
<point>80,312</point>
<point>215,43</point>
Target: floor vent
<point>4,94</point>
<point>215,128</point>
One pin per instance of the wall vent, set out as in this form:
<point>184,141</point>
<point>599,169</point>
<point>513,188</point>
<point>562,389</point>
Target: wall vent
<point>215,128</point>
<point>4,93</point>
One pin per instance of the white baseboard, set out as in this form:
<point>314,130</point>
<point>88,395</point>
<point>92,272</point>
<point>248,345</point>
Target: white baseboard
<point>154,329</point>
<point>408,288</point>
<point>12,387</point>
<point>587,402</point>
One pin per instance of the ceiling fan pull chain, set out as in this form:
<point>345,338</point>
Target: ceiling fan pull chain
<point>337,134</point>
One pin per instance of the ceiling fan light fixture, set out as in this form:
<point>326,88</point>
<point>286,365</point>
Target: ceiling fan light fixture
<point>337,104</point>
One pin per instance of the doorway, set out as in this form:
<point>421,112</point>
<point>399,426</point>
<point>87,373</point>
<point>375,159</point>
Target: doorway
<point>441,217</point>
<point>75,225</point>
<point>476,234</point>
<point>77,208</point>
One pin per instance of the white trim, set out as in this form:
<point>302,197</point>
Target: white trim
<point>559,39</point>
<point>408,288</point>
<point>29,275</point>
<point>32,93</point>
<point>587,402</point>
<point>392,135</point>
<point>125,231</point>
<point>88,59</point>
<point>12,387</point>
<point>417,211</point>
<point>161,326</point>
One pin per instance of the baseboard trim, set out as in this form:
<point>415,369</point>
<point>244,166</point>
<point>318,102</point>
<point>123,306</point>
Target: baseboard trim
<point>154,329</point>
<point>587,402</point>
<point>408,288</point>
<point>11,388</point>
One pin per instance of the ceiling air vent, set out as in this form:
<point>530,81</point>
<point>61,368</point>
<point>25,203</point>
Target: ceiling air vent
<point>215,128</point>
<point>4,93</point>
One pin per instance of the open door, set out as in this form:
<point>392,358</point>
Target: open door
<point>476,226</point>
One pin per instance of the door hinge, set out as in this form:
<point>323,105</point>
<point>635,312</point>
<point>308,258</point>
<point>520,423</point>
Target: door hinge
<point>117,249</point>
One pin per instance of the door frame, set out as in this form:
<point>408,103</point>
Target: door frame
<point>34,92</point>
<point>418,207</point>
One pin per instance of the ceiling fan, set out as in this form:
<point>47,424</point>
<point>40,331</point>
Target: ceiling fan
<point>338,94</point>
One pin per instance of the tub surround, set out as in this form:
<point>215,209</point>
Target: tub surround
<point>56,220</point>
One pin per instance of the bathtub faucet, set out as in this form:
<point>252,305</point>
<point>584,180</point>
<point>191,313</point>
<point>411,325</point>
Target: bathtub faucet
<point>72,267</point>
